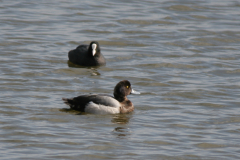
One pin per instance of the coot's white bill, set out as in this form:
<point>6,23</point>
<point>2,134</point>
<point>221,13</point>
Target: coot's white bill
<point>94,46</point>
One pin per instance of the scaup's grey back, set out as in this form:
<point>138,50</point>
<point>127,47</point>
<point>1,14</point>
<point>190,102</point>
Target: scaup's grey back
<point>87,55</point>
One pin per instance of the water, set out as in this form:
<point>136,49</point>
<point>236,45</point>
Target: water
<point>183,56</point>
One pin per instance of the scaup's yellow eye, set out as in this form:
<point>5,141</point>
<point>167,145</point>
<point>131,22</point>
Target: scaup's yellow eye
<point>127,86</point>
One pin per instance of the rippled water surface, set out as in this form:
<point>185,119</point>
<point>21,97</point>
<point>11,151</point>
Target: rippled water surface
<point>183,56</point>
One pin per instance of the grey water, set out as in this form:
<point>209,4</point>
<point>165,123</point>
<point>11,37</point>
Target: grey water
<point>183,56</point>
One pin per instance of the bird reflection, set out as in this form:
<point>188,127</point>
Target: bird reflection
<point>93,70</point>
<point>68,110</point>
<point>121,132</point>
<point>121,118</point>
<point>72,65</point>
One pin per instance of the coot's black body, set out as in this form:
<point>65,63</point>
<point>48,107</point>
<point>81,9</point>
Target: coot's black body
<point>87,55</point>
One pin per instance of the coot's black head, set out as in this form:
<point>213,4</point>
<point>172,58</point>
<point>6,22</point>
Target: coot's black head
<point>122,89</point>
<point>94,48</point>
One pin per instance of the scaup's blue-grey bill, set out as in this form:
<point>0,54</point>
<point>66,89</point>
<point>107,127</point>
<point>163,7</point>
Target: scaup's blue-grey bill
<point>103,103</point>
<point>87,55</point>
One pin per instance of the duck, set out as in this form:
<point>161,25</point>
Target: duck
<point>103,103</point>
<point>87,55</point>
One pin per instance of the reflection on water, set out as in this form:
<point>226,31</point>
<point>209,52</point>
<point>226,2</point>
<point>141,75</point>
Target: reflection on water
<point>69,110</point>
<point>93,70</point>
<point>121,118</point>
<point>70,64</point>
<point>116,118</point>
<point>121,132</point>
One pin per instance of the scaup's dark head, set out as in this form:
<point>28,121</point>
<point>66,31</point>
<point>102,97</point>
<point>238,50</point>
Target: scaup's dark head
<point>94,48</point>
<point>122,89</point>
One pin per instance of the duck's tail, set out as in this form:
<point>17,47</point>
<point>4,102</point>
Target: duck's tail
<point>67,101</point>
<point>73,104</point>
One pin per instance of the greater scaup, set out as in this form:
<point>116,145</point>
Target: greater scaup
<point>87,55</point>
<point>104,104</point>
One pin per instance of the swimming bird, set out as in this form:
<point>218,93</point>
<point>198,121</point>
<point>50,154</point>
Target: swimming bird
<point>103,103</point>
<point>87,55</point>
